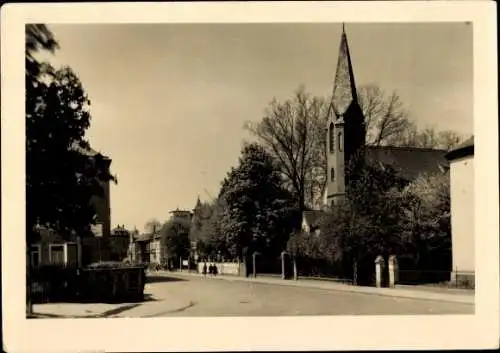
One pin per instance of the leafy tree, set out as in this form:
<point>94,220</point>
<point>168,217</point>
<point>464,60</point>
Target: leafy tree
<point>427,221</point>
<point>259,214</point>
<point>176,238</point>
<point>369,222</point>
<point>206,230</point>
<point>61,177</point>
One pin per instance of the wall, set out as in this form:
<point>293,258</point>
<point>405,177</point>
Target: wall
<point>223,268</point>
<point>462,213</point>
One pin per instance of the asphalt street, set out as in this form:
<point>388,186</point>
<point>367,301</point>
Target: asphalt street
<point>199,296</point>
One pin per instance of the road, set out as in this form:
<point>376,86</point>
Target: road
<point>199,296</point>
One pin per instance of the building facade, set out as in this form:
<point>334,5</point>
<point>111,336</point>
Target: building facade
<point>52,248</point>
<point>462,211</point>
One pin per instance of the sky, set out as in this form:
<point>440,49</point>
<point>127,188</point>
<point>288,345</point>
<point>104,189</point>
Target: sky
<point>169,101</point>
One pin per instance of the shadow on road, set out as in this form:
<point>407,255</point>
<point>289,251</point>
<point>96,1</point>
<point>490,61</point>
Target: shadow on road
<point>157,279</point>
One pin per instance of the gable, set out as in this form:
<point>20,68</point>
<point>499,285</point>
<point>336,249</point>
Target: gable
<point>409,163</point>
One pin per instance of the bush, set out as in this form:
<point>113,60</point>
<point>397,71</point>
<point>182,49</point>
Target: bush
<point>109,282</point>
<point>113,265</point>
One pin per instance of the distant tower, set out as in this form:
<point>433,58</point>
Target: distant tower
<point>346,128</point>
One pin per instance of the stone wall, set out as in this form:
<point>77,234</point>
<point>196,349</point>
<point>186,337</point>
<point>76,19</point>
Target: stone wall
<point>225,268</point>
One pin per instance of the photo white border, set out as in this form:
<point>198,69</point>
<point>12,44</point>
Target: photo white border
<point>277,333</point>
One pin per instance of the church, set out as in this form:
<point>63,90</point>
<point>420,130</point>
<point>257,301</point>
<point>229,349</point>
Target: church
<point>346,133</point>
<point>346,146</point>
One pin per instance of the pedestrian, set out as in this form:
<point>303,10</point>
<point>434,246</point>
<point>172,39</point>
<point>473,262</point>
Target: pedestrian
<point>205,269</point>
<point>215,270</point>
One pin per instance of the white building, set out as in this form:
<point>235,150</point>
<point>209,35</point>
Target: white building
<point>462,210</point>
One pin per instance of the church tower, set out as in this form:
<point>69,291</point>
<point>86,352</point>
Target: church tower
<point>345,130</point>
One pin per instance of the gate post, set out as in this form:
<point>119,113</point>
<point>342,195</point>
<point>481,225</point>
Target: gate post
<point>379,263</point>
<point>295,274</point>
<point>283,273</point>
<point>393,271</point>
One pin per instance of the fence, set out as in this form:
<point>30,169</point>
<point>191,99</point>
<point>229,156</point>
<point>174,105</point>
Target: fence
<point>438,278</point>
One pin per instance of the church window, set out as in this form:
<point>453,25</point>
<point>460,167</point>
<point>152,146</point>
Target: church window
<point>340,139</point>
<point>332,174</point>
<point>330,138</point>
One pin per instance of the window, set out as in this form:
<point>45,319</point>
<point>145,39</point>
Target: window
<point>330,138</point>
<point>36,255</point>
<point>56,254</point>
<point>332,174</point>
<point>340,140</point>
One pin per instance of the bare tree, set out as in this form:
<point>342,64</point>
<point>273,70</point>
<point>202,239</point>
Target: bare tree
<point>428,138</point>
<point>386,119</point>
<point>293,132</point>
<point>388,123</point>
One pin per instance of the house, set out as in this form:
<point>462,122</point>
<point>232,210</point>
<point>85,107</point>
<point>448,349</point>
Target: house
<point>462,211</point>
<point>181,215</point>
<point>52,248</point>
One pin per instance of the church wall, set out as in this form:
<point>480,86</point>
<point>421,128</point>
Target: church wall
<point>462,214</point>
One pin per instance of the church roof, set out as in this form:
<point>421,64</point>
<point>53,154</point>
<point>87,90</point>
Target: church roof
<point>408,162</point>
<point>344,88</point>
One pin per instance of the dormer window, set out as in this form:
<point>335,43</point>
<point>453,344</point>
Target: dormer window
<point>340,139</point>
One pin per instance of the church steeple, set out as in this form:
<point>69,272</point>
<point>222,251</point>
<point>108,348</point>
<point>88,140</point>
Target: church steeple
<point>346,127</point>
<point>344,87</point>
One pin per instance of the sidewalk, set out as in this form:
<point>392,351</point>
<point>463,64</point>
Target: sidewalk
<point>79,310</point>
<point>157,302</point>
<point>426,293</point>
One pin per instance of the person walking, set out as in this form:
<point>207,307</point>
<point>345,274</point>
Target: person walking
<point>205,269</point>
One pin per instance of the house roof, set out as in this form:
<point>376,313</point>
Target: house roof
<point>408,162</point>
<point>313,217</point>
<point>465,149</point>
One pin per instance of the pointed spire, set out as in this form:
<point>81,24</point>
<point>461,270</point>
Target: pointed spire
<point>344,88</point>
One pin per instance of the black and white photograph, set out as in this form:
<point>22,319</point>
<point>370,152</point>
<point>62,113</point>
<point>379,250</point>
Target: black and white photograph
<point>239,171</point>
